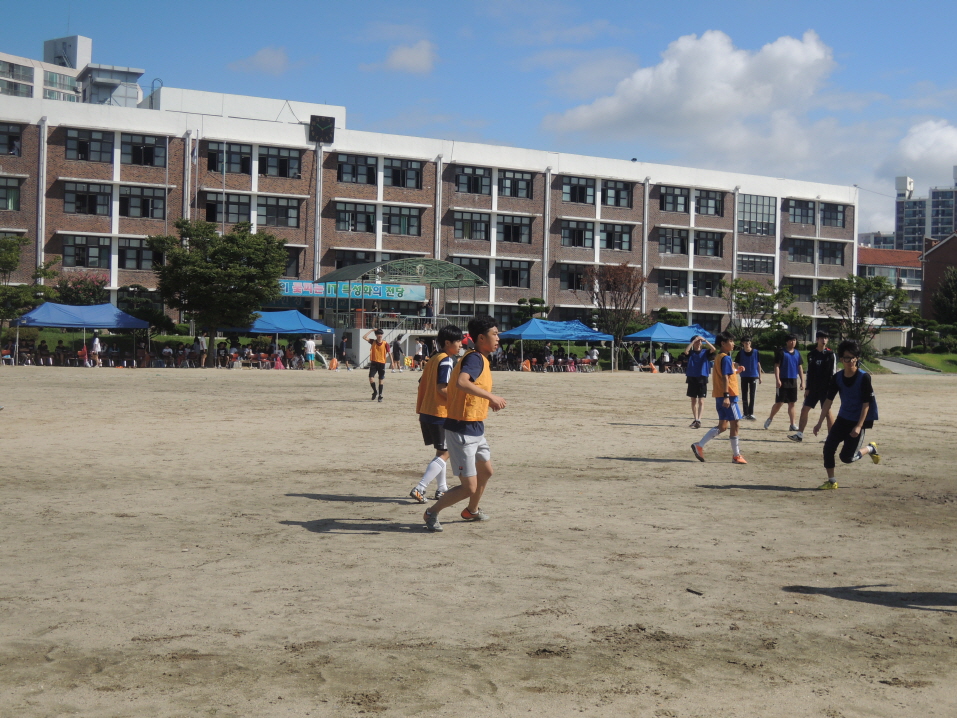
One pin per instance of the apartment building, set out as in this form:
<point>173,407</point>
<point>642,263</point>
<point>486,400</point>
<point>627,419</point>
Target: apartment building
<point>901,267</point>
<point>88,181</point>
<point>919,217</point>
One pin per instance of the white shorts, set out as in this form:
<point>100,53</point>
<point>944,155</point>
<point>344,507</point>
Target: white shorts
<point>464,451</point>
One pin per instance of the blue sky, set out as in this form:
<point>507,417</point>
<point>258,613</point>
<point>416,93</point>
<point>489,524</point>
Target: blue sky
<point>843,92</point>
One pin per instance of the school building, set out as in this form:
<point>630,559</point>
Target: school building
<point>90,165</point>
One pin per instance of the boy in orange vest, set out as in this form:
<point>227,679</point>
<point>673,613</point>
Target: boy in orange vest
<point>470,397</point>
<point>432,408</point>
<point>378,356</point>
<point>726,393</point>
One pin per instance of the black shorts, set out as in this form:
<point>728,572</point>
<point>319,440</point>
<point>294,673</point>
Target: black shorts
<point>697,387</point>
<point>814,397</point>
<point>433,435</point>
<point>788,393</point>
<point>376,367</point>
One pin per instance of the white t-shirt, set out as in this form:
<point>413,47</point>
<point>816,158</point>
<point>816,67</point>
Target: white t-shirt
<point>96,345</point>
<point>593,354</point>
<point>310,346</point>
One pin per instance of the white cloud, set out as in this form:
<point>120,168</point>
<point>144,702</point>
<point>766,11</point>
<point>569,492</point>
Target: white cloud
<point>583,74</point>
<point>269,61</point>
<point>928,151</point>
<point>418,59</point>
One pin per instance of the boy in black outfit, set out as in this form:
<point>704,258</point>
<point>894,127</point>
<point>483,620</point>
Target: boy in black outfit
<point>821,365</point>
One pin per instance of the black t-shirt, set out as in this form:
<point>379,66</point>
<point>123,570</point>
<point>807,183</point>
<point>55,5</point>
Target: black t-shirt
<point>820,369</point>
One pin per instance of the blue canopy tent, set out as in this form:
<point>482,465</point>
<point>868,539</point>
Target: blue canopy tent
<point>581,332</point>
<point>669,334</point>
<point>544,330</point>
<point>288,322</point>
<point>65,316</point>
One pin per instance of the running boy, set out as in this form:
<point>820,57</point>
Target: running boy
<point>725,390</point>
<point>470,397</point>
<point>787,370</point>
<point>820,368</point>
<point>696,374</point>
<point>431,406</point>
<point>858,412</point>
<point>750,360</point>
<point>378,356</point>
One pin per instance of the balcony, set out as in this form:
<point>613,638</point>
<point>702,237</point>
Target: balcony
<point>16,72</point>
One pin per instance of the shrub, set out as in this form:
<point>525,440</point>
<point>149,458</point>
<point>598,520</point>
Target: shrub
<point>906,350</point>
<point>940,349</point>
<point>27,334</point>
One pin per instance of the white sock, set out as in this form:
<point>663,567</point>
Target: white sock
<point>709,436</point>
<point>435,470</point>
<point>735,445</point>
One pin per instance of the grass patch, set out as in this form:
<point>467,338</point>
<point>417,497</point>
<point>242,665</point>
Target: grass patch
<point>943,362</point>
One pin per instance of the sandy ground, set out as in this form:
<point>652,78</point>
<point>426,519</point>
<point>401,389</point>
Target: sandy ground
<point>225,543</point>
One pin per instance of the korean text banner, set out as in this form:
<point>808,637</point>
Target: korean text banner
<point>343,290</point>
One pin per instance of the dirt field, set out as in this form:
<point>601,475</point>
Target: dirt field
<point>224,543</point>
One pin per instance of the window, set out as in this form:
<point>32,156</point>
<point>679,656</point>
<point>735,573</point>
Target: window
<point>237,208</point>
<point>578,234</point>
<point>755,264</point>
<point>15,89</point>
<point>708,322</point>
<point>615,236</point>
<point>130,299</point>
<point>281,162</point>
<point>515,184</point>
<point>507,316</point>
<point>229,157</point>
<point>346,258</point>
<point>802,289</point>
<point>672,241</point>
<point>473,180</point>
<point>401,220</point>
<point>800,211</point>
<point>580,190</point>
<point>85,198</point>
<point>801,250</point>
<point>89,145</point>
<point>471,225</point>
<point>145,202</point>
<point>352,217</point>
<point>674,199</point>
<point>707,244</point>
<point>143,150</point>
<point>292,262</point>
<point>10,139</point>
<point>86,252</point>
<point>672,283</point>
<point>392,256</point>
<point>277,211</point>
<point>616,194</point>
<point>403,173</point>
<point>20,73</point>
<point>357,169</point>
<point>756,214</point>
<point>9,193</point>
<point>572,277</point>
<point>514,229</point>
<point>512,273</point>
<point>831,253</point>
<point>136,254</point>
<point>706,285</point>
<point>709,202</point>
<point>60,96</point>
<point>463,309</point>
<point>477,265</point>
<point>832,215</point>
<point>59,82</point>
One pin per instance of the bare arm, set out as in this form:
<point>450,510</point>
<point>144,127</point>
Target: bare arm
<point>465,384</point>
<point>365,337</point>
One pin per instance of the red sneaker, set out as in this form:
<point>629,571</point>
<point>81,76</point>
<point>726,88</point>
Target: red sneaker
<point>738,460</point>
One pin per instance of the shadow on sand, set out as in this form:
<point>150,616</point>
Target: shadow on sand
<point>353,499</point>
<point>916,600</point>
<point>647,459</point>
<point>356,526</point>
<point>757,487</point>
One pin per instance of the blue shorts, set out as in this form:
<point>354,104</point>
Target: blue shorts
<point>310,357</point>
<point>731,413</point>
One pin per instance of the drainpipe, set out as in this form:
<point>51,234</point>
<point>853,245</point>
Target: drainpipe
<point>545,231</point>
<point>644,242</point>
<point>317,230</point>
<point>437,241</point>
<point>41,192</point>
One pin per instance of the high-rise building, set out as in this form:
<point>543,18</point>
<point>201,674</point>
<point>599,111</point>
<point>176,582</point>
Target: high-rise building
<point>918,217</point>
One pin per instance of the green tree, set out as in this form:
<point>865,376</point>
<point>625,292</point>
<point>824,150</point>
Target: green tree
<point>138,304</point>
<point>854,302</point>
<point>83,290</point>
<point>17,299</point>
<point>615,291</point>
<point>944,300</point>
<point>529,308</point>
<point>675,319</point>
<point>757,306</point>
<point>221,281</point>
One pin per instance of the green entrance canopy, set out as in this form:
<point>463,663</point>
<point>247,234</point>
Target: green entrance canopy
<point>416,270</point>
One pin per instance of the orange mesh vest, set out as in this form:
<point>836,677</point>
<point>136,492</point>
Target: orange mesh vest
<point>721,383</point>
<point>466,407</point>
<point>379,352</point>
<point>430,401</point>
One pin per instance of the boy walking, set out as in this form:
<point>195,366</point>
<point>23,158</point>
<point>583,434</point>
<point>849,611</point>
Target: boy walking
<point>726,391</point>
<point>787,370</point>
<point>310,346</point>
<point>749,359</point>
<point>820,368</point>
<point>858,412</point>
<point>378,355</point>
<point>696,373</point>
<point>432,408</point>
<point>470,397</point>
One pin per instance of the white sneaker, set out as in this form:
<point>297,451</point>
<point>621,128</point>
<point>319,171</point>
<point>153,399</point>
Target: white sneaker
<point>767,424</point>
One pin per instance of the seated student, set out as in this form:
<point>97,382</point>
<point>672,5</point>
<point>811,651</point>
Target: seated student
<point>167,355</point>
<point>44,357</point>
<point>222,356</point>
<point>113,354</point>
<point>82,357</point>
<point>58,352</point>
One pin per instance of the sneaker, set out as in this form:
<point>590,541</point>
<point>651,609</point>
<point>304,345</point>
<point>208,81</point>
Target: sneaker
<point>419,496</point>
<point>438,495</point>
<point>738,459</point>
<point>432,522</point>
<point>693,423</point>
<point>380,398</point>
<point>477,515</point>
<point>752,417</point>
<point>875,457</point>
<point>794,428</point>
<point>374,394</point>
<point>767,424</point>
<point>698,452</point>
<point>828,485</point>
<point>796,437</point>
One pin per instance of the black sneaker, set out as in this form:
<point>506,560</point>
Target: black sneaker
<point>380,398</point>
<point>432,522</point>
<point>438,495</point>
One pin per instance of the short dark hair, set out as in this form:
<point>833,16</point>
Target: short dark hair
<point>791,337</point>
<point>746,338</point>
<point>724,337</point>
<point>849,346</point>
<point>480,324</point>
<point>821,334</point>
<point>449,333</point>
